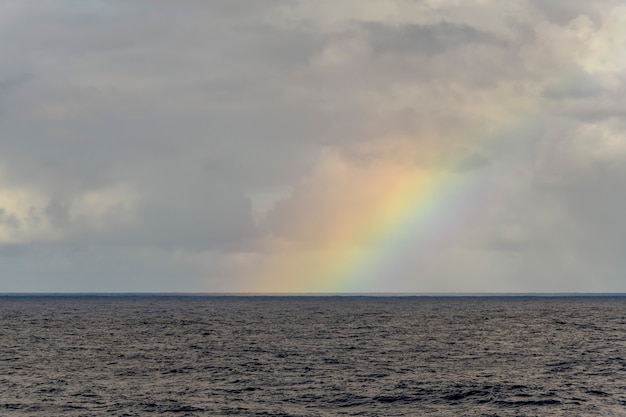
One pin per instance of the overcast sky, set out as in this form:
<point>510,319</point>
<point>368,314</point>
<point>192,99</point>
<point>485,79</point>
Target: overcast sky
<point>233,146</point>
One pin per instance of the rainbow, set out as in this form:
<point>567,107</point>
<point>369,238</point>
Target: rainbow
<point>419,211</point>
<point>416,211</point>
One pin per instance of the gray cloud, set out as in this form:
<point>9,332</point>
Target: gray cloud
<point>9,220</point>
<point>426,39</point>
<point>148,143</point>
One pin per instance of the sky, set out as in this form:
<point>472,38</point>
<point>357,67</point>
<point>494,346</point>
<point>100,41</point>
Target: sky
<point>293,146</point>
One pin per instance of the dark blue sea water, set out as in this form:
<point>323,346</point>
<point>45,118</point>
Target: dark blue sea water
<point>308,356</point>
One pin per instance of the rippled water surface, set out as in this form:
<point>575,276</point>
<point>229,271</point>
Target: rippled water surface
<point>295,356</point>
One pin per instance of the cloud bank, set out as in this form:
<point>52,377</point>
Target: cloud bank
<point>287,146</point>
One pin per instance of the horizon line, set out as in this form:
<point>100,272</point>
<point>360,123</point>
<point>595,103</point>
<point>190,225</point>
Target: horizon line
<point>316,294</point>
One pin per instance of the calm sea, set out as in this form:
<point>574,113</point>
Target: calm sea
<point>312,356</point>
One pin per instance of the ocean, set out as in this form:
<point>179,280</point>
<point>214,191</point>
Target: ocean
<point>312,356</point>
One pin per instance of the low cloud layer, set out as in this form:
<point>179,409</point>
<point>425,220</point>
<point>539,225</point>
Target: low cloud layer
<point>231,146</point>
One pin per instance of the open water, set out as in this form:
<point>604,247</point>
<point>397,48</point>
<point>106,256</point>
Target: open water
<point>308,356</point>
